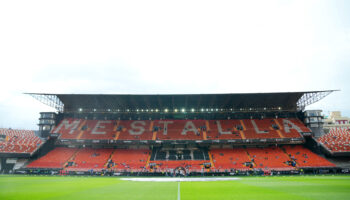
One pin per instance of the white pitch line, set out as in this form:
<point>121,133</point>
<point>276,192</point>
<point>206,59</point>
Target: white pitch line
<point>179,179</point>
<point>178,191</point>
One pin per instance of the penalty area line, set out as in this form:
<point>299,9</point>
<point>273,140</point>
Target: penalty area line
<point>178,191</point>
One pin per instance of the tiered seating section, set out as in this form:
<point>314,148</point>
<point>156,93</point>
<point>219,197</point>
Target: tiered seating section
<point>272,158</point>
<point>129,160</point>
<point>267,159</point>
<point>136,160</point>
<point>305,158</point>
<point>56,158</point>
<point>89,159</point>
<point>85,159</point>
<point>337,140</point>
<point>224,159</point>
<point>18,141</point>
<point>180,129</point>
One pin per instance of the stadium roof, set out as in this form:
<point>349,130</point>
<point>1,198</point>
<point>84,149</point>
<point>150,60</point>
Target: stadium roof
<point>291,101</point>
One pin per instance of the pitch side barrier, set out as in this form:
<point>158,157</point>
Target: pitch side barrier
<point>232,172</point>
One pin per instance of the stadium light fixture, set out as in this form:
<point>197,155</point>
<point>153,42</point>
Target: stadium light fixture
<point>183,110</point>
<point>175,110</point>
<point>94,109</point>
<point>127,110</point>
<point>202,109</point>
<point>217,109</point>
<point>80,109</point>
<point>166,110</point>
<point>157,110</point>
<point>192,110</point>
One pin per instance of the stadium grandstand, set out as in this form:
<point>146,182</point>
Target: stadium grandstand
<point>16,147</point>
<point>335,140</point>
<point>18,141</point>
<point>179,134</point>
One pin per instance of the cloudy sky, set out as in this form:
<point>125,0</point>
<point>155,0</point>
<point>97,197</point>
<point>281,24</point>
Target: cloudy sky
<point>157,47</point>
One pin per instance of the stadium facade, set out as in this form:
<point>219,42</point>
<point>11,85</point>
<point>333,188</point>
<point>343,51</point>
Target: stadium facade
<point>180,134</point>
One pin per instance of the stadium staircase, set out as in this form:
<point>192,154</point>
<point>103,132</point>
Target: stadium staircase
<point>250,158</point>
<point>71,159</point>
<point>211,160</point>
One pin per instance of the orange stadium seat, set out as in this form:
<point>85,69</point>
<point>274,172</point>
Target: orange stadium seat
<point>288,131</point>
<point>306,158</point>
<point>127,133</point>
<point>19,141</point>
<point>54,159</point>
<point>337,140</point>
<point>227,129</point>
<point>130,159</point>
<point>226,159</point>
<point>86,159</point>
<point>264,129</point>
<point>180,129</point>
<point>270,158</point>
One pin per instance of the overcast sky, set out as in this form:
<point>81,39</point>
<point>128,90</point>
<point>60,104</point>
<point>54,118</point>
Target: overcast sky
<point>157,47</point>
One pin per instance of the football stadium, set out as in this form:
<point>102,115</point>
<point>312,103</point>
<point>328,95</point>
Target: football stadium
<point>175,100</point>
<point>177,146</point>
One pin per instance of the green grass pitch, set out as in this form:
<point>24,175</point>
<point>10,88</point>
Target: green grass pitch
<point>84,188</point>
